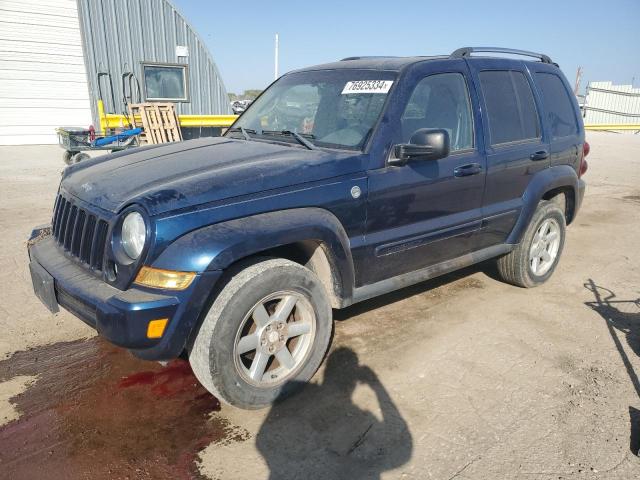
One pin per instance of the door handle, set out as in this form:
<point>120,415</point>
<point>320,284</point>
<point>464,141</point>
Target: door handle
<point>540,155</point>
<point>466,170</point>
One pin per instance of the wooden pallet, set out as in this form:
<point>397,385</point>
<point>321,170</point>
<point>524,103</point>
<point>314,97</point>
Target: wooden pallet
<point>159,121</point>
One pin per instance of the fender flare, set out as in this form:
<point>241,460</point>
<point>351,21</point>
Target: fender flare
<point>217,246</point>
<point>542,182</point>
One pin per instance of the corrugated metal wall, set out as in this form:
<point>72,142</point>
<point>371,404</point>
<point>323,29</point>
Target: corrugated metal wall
<point>607,103</point>
<point>120,34</point>
<point>43,84</point>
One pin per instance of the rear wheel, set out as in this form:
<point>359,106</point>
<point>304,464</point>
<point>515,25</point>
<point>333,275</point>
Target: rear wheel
<point>266,333</point>
<point>534,260</point>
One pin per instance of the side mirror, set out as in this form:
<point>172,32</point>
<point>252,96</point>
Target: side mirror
<point>425,144</point>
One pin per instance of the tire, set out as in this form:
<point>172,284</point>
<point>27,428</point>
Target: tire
<point>79,157</point>
<point>66,157</point>
<point>216,356</point>
<point>519,267</point>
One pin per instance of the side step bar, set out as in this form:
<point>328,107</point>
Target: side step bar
<point>407,279</point>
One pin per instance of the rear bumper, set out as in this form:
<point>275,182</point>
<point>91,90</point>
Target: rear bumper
<point>122,316</point>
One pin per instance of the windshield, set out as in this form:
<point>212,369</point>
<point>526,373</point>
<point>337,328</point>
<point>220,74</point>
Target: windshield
<point>330,108</point>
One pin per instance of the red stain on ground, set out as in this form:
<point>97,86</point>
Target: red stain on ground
<point>98,412</point>
<point>175,378</point>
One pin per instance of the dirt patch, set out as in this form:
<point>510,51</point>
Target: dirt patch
<point>44,233</point>
<point>96,411</point>
<point>585,386</point>
<point>588,381</point>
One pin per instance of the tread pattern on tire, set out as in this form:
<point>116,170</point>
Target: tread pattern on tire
<point>513,267</point>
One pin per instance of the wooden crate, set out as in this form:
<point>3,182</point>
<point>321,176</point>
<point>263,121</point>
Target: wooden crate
<point>159,121</point>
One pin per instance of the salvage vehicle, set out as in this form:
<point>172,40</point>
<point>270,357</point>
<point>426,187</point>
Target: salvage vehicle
<point>339,183</point>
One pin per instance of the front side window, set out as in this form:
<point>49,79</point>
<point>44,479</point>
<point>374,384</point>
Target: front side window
<point>165,82</point>
<point>332,108</point>
<point>440,101</point>
<point>557,105</point>
<point>511,109</point>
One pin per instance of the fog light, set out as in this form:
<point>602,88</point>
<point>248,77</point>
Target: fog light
<point>167,279</point>
<point>155,329</point>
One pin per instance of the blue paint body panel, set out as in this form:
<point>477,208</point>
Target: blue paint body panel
<point>214,201</point>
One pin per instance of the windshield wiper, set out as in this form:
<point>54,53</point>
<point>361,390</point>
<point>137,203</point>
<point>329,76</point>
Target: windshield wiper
<point>301,140</point>
<point>244,131</point>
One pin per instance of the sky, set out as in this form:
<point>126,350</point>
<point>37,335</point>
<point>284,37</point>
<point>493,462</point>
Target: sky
<point>603,37</point>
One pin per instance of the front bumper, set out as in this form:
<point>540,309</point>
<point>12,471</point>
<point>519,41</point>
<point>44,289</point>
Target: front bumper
<point>122,316</point>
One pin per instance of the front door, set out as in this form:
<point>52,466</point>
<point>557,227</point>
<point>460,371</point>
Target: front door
<point>427,211</point>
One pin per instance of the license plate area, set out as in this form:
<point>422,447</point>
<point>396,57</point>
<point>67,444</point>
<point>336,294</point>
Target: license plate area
<point>43,286</point>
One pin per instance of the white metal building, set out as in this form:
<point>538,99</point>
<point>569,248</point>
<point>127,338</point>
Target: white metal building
<point>43,81</point>
<point>609,104</point>
<point>59,57</point>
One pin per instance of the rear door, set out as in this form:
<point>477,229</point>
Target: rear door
<point>516,144</point>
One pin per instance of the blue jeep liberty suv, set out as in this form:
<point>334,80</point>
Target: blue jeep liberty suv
<point>339,183</point>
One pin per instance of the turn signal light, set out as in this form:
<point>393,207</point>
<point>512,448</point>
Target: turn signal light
<point>166,279</point>
<point>155,329</point>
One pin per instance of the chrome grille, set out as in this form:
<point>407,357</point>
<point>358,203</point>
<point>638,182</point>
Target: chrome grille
<point>79,232</point>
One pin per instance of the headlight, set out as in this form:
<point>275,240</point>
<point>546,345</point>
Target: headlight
<point>134,233</point>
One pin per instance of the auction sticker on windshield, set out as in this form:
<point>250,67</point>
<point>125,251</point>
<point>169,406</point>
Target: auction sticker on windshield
<point>367,86</point>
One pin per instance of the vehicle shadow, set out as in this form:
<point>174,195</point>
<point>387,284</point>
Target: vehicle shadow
<point>621,316</point>
<point>321,433</point>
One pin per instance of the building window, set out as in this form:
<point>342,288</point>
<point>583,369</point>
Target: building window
<point>165,82</point>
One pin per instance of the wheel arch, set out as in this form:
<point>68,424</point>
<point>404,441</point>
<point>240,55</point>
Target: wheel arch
<point>547,184</point>
<point>313,237</point>
<point>565,198</point>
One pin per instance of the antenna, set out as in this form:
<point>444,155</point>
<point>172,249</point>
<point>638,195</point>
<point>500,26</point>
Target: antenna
<point>576,87</point>
<point>275,75</point>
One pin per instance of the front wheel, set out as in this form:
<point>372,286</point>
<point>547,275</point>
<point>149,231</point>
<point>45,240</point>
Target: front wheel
<point>534,260</point>
<point>265,334</point>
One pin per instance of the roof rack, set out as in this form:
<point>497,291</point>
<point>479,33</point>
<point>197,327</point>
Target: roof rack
<point>467,51</point>
<point>346,59</point>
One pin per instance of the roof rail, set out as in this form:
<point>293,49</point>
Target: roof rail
<point>346,59</point>
<point>467,51</point>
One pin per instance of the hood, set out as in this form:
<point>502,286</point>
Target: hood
<point>172,176</point>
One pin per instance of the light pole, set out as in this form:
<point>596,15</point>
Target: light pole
<point>275,75</point>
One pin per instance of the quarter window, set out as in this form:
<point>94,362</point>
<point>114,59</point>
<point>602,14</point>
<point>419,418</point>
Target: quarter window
<point>557,105</point>
<point>165,82</point>
<point>440,101</point>
<point>511,109</point>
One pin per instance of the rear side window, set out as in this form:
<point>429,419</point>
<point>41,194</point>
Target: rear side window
<point>511,110</point>
<point>557,105</point>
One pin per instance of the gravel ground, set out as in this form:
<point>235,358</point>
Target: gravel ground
<point>461,377</point>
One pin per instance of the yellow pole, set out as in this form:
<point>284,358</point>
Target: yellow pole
<point>102,116</point>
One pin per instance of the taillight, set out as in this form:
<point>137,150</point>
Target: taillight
<point>584,166</point>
